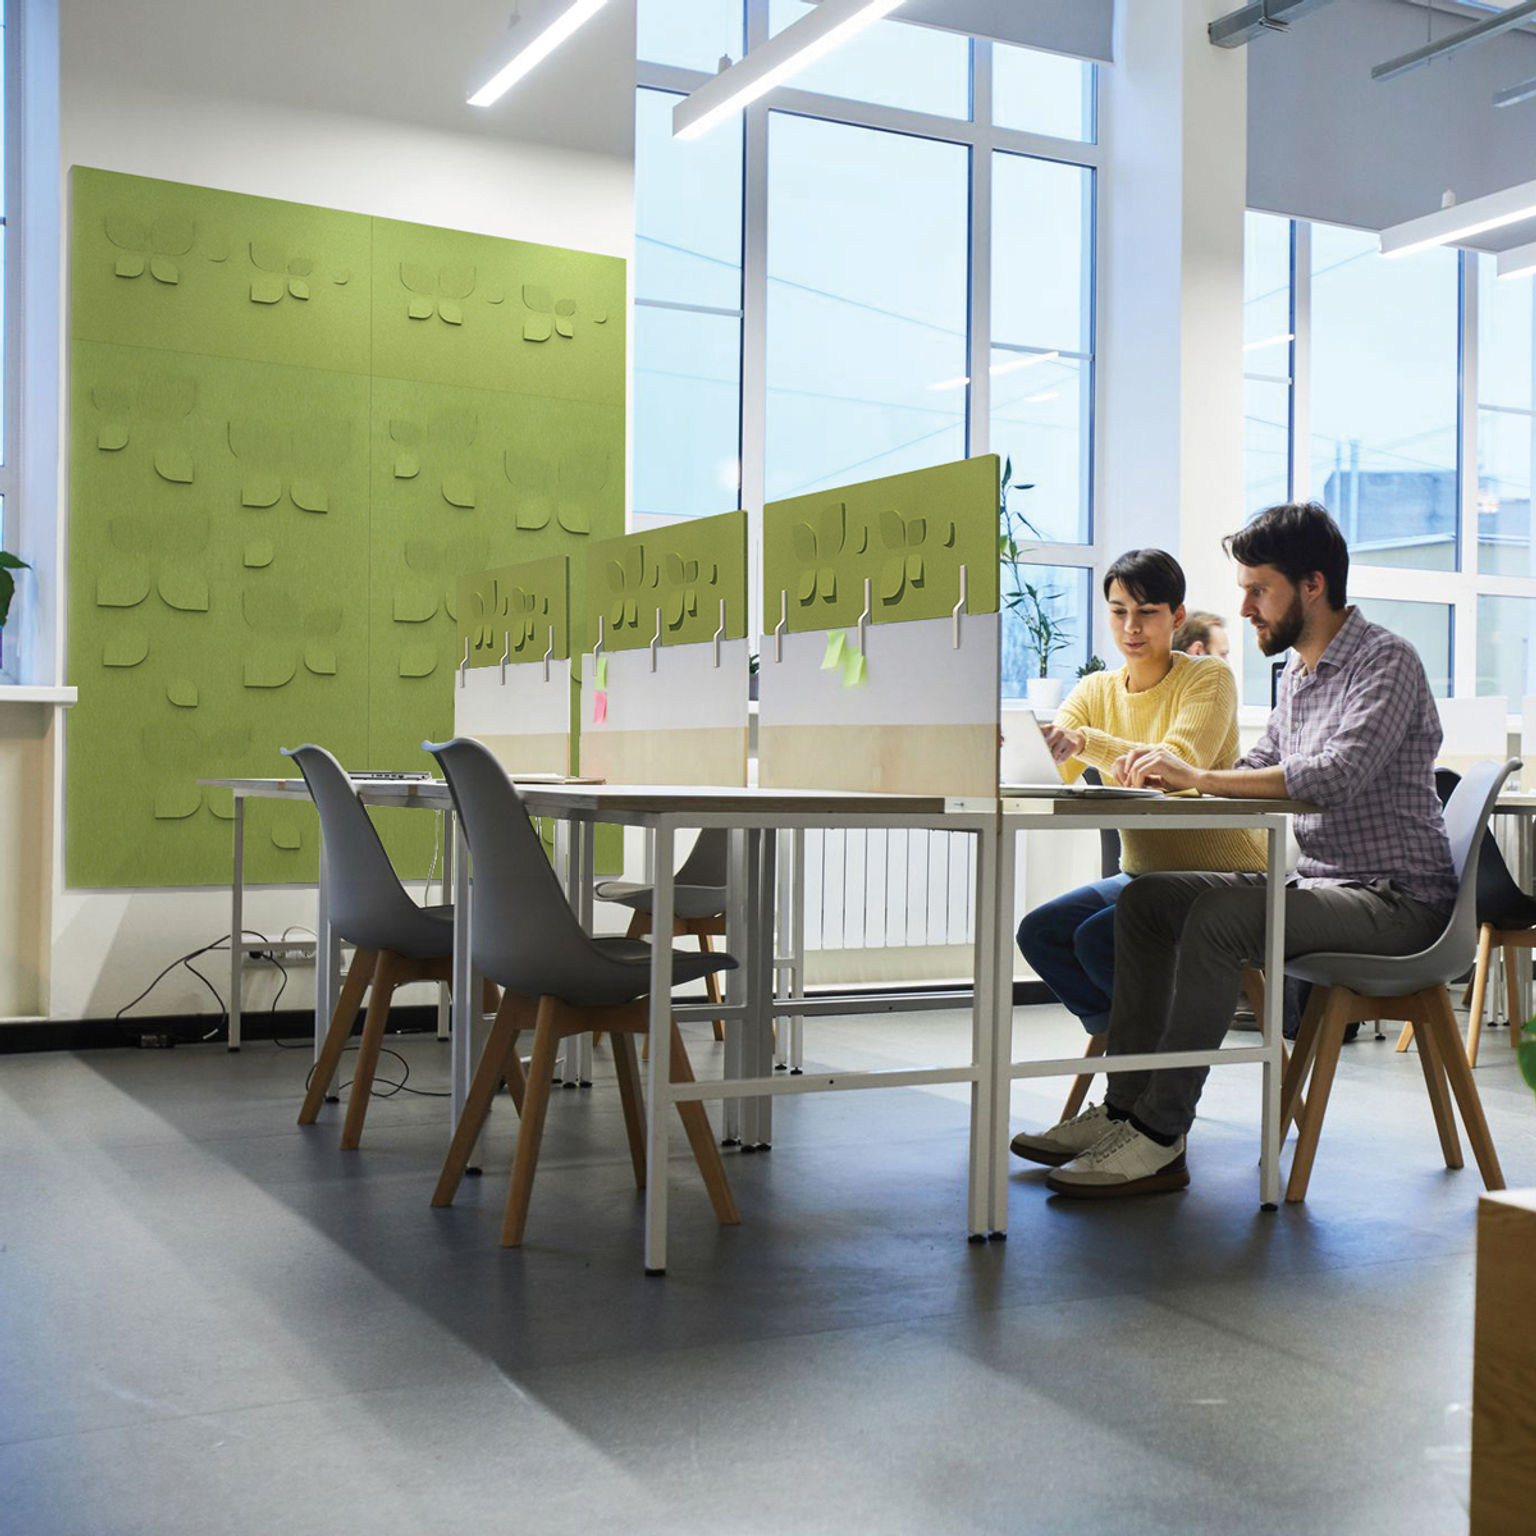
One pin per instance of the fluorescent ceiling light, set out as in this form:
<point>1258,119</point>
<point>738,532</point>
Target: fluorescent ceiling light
<point>814,36</point>
<point>959,383</point>
<point>536,52</point>
<point>1269,341</point>
<point>998,369</point>
<point>1040,399</point>
<point>1519,262</point>
<point>1515,93</point>
<point>1461,221</point>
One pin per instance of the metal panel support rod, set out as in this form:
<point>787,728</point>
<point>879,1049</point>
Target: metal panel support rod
<point>1505,21</point>
<point>1241,26</point>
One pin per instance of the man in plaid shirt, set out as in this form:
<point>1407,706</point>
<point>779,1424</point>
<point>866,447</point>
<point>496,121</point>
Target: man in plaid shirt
<point>1356,732</point>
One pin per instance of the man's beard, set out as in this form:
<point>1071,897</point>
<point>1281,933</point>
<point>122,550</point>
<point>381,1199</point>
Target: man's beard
<point>1284,634</point>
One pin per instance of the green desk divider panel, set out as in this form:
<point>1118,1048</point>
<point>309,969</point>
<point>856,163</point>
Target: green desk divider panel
<point>907,534</point>
<point>680,573</point>
<point>279,471</point>
<point>516,611</point>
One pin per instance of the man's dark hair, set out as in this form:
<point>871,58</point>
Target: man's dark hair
<point>1149,575</point>
<point>1297,538</point>
<point>1197,626</point>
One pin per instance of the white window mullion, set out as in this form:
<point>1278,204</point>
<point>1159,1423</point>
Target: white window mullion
<point>1301,361</point>
<point>979,340</point>
<point>1464,616</point>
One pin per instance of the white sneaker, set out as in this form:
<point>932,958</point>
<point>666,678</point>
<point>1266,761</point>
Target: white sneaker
<point>1122,1162</point>
<point>1063,1142</point>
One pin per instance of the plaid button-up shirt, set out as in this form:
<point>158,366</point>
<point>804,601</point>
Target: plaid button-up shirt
<point>1359,736</point>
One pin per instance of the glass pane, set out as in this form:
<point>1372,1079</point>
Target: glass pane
<point>1040,415</point>
<point>1258,669</point>
<point>1266,444</point>
<point>1384,398</point>
<point>691,34</point>
<point>687,417</point>
<point>1042,245</point>
<point>863,354</point>
<point>1506,647</point>
<point>1505,348</point>
<point>687,209</point>
<point>1042,93</point>
<point>1426,626</point>
<point>890,63</point>
<point>1062,595</point>
<point>1267,294</point>
<point>1504,493</point>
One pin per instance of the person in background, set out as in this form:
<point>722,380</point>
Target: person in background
<point>1356,733</point>
<point>1203,634</point>
<point>1160,697</point>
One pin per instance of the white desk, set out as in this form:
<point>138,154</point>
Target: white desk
<point>1076,813</point>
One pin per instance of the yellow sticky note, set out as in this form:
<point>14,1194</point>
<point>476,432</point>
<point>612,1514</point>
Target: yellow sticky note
<point>855,669</point>
<point>836,640</point>
<point>601,671</point>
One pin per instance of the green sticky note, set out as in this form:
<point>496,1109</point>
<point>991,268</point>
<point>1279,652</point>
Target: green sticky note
<point>836,640</point>
<point>601,671</point>
<point>854,669</point>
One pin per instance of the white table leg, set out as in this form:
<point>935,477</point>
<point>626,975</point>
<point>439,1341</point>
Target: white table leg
<point>1001,973</point>
<point>735,981</point>
<point>444,994</point>
<point>466,1002</point>
<point>586,877</point>
<point>327,955</point>
<point>783,960</point>
<point>751,1066</point>
<point>978,1198</point>
<point>762,1021</point>
<point>797,950</point>
<point>237,926</point>
<point>1274,1006</point>
<point>660,1085</point>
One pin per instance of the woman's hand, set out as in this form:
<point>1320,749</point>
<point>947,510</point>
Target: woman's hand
<point>1155,768</point>
<point>1063,743</point>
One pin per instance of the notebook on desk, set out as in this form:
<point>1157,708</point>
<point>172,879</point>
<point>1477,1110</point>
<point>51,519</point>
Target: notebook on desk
<point>1030,758</point>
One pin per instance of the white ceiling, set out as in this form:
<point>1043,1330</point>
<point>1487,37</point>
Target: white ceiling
<point>408,61</point>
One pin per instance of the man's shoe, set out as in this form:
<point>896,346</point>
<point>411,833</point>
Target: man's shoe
<point>1122,1162</point>
<point>1063,1142</point>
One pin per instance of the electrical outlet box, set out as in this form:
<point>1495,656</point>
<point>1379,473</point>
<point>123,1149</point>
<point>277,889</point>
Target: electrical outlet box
<point>285,952</point>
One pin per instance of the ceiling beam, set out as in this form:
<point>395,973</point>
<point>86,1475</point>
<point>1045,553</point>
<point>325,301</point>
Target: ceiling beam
<point>1239,27</point>
<point>1504,21</point>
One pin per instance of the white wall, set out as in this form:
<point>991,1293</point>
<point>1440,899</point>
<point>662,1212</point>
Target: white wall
<point>107,945</point>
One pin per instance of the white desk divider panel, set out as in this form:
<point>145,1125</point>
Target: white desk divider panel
<point>1528,742</point>
<point>1476,730</point>
<point>513,689</point>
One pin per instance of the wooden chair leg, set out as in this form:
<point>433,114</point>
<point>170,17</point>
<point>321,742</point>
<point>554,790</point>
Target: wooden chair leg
<point>712,985</point>
<point>1480,993</point>
<point>1512,990</point>
<point>706,1150</point>
<point>490,996</point>
<point>1292,1105</point>
<point>541,1071</point>
<point>627,1070</point>
<point>384,983</point>
<point>1434,1080</point>
<point>359,974</point>
<point>1462,1085</point>
<point>1329,1041</point>
<point>1404,1038</point>
<point>1096,1047</point>
<point>497,1059</point>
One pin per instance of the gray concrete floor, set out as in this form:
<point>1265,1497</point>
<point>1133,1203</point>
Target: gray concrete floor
<point>211,1321</point>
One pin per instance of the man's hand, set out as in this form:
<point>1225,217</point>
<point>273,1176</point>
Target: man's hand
<point>1063,743</point>
<point>1155,768</point>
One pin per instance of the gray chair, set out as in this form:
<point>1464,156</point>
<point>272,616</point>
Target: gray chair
<point>395,941</point>
<point>1413,988</point>
<point>699,894</point>
<point>558,981</point>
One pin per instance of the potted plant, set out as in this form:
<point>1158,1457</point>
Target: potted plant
<point>1045,634</point>
<point>1093,664</point>
<point>8,563</point>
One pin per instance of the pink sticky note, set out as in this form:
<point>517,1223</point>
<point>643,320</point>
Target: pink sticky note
<point>600,707</point>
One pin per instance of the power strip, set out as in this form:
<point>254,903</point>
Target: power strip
<point>285,952</point>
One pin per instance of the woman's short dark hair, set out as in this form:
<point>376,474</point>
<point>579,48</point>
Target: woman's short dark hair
<point>1149,576</point>
<point>1297,538</point>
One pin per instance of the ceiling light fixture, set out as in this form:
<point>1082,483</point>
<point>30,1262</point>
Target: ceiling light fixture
<point>1042,397</point>
<point>1515,93</point>
<point>536,52</point>
<point>959,383</point>
<point>770,64</point>
<point>1518,262</point>
<point>1460,221</point>
<point>998,369</point>
<point>1269,341</point>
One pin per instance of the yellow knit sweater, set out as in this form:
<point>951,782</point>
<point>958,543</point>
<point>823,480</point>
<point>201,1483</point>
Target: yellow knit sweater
<point>1193,711</point>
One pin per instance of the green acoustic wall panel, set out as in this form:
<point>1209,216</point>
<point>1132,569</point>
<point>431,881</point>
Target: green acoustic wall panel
<point>908,535</point>
<point>517,611</point>
<point>453,308</point>
<point>189,269</point>
<point>680,573</point>
<point>267,529</point>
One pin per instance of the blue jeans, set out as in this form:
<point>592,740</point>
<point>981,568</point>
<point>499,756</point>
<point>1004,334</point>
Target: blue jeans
<point>1070,943</point>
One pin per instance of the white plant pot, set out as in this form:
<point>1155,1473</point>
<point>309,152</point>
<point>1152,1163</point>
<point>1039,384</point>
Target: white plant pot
<point>1044,692</point>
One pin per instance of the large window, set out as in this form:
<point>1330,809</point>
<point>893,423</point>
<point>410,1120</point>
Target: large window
<point>808,308</point>
<point>1414,423</point>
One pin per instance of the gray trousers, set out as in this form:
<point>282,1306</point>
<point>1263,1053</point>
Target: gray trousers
<point>1181,941</point>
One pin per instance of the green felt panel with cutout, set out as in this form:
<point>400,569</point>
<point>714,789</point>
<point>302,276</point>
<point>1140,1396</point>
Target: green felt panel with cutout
<point>268,529</point>
<point>679,574</point>
<point>521,612</point>
<point>908,535</point>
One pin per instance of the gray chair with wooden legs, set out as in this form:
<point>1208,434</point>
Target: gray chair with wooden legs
<point>699,893</point>
<point>395,941</point>
<point>558,981</point>
<point>1412,988</point>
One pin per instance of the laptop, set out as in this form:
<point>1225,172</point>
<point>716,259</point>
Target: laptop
<point>1031,772</point>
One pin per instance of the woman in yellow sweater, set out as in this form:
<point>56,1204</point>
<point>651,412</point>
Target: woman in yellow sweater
<point>1187,703</point>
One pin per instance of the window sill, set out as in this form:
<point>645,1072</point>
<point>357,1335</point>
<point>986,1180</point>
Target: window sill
<point>22,693</point>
